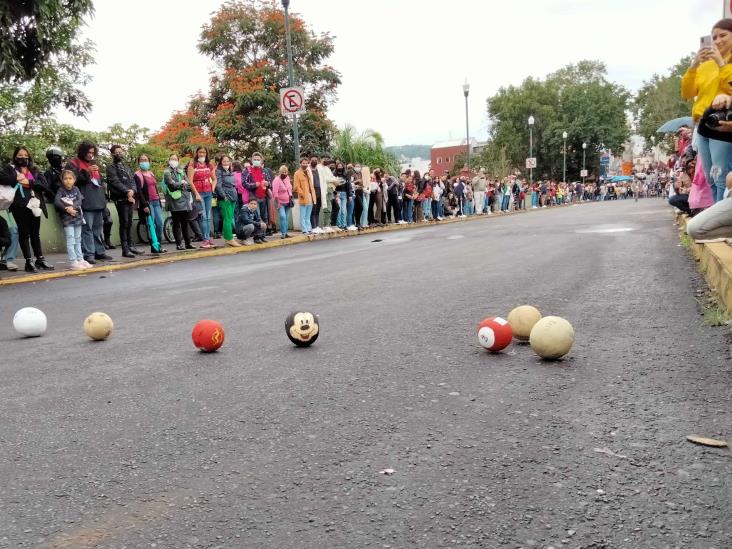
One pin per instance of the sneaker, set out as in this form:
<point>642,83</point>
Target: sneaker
<point>317,230</point>
<point>8,266</point>
<point>76,266</point>
<point>233,243</point>
<point>206,244</point>
<point>103,257</point>
<point>352,228</point>
<point>248,242</point>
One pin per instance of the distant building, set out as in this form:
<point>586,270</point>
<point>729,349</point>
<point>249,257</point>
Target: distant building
<point>444,155</point>
<point>419,164</point>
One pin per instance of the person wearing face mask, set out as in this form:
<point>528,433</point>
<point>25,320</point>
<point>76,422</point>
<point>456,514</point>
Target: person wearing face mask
<point>227,198</point>
<point>89,181</point>
<point>344,192</point>
<point>320,191</point>
<point>28,204</point>
<point>178,199</point>
<point>123,192</point>
<point>304,189</point>
<point>203,181</point>
<point>149,200</point>
<point>258,181</point>
<point>282,194</point>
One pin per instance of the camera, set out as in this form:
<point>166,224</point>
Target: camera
<point>715,117</point>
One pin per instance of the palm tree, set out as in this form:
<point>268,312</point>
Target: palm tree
<point>366,148</point>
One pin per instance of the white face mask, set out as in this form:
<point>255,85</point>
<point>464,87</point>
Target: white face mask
<point>173,163</point>
<point>202,159</point>
<point>256,163</point>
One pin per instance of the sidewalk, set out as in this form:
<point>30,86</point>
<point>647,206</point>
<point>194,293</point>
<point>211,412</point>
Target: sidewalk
<point>715,263</point>
<point>59,261</point>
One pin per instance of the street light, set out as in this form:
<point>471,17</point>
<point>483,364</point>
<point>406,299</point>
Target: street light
<point>291,78</point>
<point>565,135</point>
<point>584,150</point>
<point>531,147</point>
<point>466,91</point>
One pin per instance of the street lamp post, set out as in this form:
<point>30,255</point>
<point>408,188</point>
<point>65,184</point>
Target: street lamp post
<point>584,150</point>
<point>531,148</point>
<point>564,167</point>
<point>291,78</point>
<point>466,91</point>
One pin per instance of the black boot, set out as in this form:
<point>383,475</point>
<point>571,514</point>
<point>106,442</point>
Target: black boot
<point>41,263</point>
<point>29,267</point>
<point>136,251</point>
<point>108,245</point>
<point>127,253</point>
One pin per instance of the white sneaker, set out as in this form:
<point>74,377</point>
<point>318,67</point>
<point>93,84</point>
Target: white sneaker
<point>248,242</point>
<point>84,263</point>
<point>401,222</point>
<point>352,228</point>
<point>76,266</point>
<point>317,230</point>
<point>462,216</point>
<point>328,230</point>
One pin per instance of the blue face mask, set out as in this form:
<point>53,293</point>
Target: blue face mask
<point>145,165</point>
<point>256,163</point>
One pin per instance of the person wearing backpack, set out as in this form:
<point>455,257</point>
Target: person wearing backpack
<point>179,201</point>
<point>28,203</point>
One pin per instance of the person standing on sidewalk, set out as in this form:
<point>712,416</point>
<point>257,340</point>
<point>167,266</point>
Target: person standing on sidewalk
<point>203,179</point>
<point>27,207</point>
<point>479,185</point>
<point>344,192</point>
<point>55,157</point>
<point>68,203</point>
<point>227,198</point>
<point>282,196</point>
<point>7,257</point>
<point>320,192</point>
<point>149,200</point>
<point>258,181</point>
<point>89,181</point>
<point>304,189</point>
<point>123,191</point>
<point>179,201</point>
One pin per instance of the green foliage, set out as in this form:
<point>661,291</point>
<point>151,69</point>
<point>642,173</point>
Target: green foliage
<point>366,148</point>
<point>577,99</point>
<point>35,34</point>
<point>246,38</point>
<point>659,100</point>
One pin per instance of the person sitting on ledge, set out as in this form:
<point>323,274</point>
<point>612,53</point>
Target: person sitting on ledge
<point>715,223</point>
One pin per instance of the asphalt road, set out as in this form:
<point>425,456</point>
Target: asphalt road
<point>141,441</point>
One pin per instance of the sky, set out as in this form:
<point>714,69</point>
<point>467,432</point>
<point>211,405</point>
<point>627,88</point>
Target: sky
<point>403,62</point>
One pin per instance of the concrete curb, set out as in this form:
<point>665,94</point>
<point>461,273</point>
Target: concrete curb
<point>216,252</point>
<point>715,262</point>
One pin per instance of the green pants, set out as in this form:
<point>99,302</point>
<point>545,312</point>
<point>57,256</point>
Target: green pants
<point>227,215</point>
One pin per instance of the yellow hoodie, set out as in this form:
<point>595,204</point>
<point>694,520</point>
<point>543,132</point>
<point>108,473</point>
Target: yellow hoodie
<point>704,84</point>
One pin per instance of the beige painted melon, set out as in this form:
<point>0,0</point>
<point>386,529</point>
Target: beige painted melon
<point>98,326</point>
<point>552,337</point>
<point>522,319</point>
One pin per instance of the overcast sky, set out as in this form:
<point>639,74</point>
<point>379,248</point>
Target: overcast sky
<point>403,62</point>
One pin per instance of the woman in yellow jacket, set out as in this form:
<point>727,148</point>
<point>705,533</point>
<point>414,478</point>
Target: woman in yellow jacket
<point>709,76</point>
<point>304,189</point>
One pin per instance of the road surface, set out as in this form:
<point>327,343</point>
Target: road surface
<point>141,441</point>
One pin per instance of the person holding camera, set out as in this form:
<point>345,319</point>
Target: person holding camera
<point>707,78</point>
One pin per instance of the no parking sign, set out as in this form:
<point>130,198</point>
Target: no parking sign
<point>292,101</point>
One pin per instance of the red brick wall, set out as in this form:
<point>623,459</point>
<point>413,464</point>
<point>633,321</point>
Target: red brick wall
<point>447,157</point>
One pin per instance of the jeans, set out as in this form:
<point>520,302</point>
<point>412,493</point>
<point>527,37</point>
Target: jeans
<point>206,220</point>
<point>408,209</point>
<point>716,159</point>
<point>156,211</point>
<point>282,215</point>
<point>427,208</point>
<point>534,200</point>
<point>365,212</point>
<point>714,222</point>
<point>343,212</point>
<point>680,201</point>
<point>349,209</point>
<point>305,210</point>
<point>505,202</point>
<point>73,242</point>
<point>263,210</point>
<point>9,252</point>
<point>249,231</point>
<point>92,239</point>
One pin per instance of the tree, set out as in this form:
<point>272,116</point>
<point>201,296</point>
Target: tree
<point>659,100</point>
<point>183,134</point>
<point>246,38</point>
<point>577,99</point>
<point>36,33</point>
<point>366,148</point>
